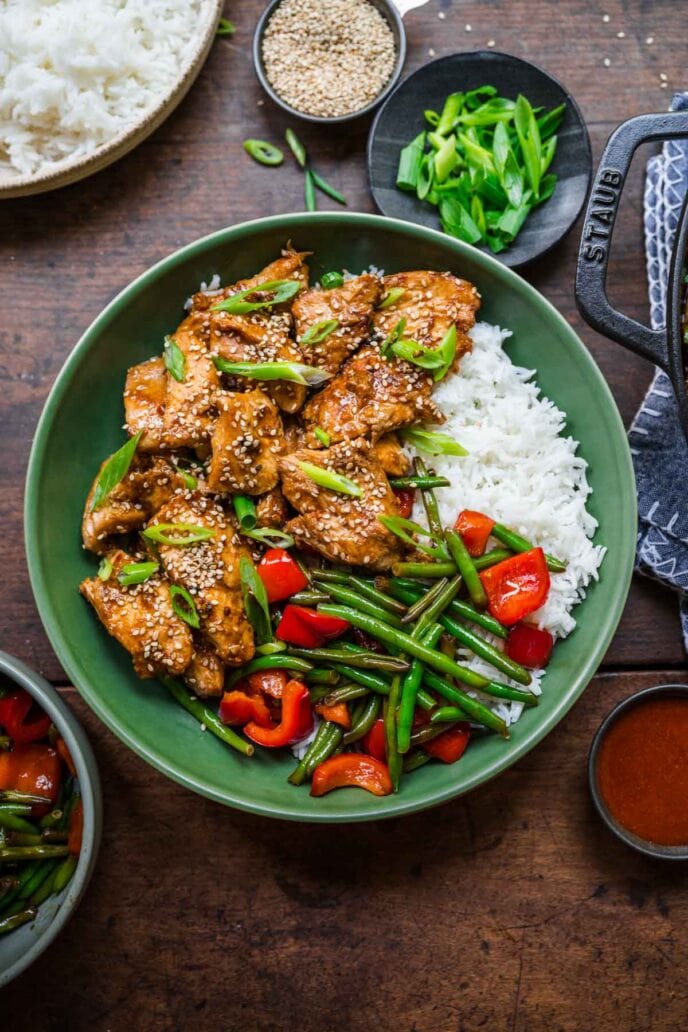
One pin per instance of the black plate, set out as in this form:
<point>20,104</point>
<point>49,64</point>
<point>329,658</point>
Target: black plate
<point>401,118</point>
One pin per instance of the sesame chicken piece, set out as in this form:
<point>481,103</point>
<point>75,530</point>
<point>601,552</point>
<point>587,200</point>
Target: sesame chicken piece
<point>290,265</point>
<point>371,396</point>
<point>341,527</point>
<point>351,305</point>
<point>391,456</point>
<point>191,405</point>
<point>150,482</point>
<point>144,402</point>
<point>209,570</point>
<point>431,302</point>
<point>246,441</point>
<point>141,618</point>
<point>205,674</point>
<point>271,509</point>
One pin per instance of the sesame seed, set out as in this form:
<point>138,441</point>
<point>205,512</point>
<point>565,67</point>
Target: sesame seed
<point>606,62</point>
<point>621,35</point>
<point>469,28</point>
<point>663,76</point>
<point>490,42</point>
<point>431,52</point>
<point>441,15</point>
<point>605,18</point>
<point>650,40</point>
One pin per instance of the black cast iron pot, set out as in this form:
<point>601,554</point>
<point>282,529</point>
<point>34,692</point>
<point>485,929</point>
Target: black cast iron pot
<point>664,347</point>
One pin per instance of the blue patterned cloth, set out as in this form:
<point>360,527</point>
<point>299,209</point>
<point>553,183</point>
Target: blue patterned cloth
<point>658,445</point>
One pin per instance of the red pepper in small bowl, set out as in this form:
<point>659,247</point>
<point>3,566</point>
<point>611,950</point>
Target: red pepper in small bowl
<point>530,646</point>
<point>34,768</point>
<point>18,721</point>
<point>308,628</point>
<point>517,587</point>
<point>475,529</point>
<point>281,575</point>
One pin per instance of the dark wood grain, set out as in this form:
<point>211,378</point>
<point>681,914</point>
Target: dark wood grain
<point>511,909</point>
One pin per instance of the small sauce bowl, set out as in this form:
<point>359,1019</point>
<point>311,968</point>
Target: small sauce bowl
<point>390,13</point>
<point>642,845</point>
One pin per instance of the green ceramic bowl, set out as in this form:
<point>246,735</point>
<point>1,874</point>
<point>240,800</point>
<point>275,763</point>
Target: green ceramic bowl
<point>82,422</point>
<point>21,947</point>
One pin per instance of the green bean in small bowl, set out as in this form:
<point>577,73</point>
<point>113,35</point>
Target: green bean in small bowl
<point>50,815</point>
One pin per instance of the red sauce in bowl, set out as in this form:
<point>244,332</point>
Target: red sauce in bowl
<point>642,770</point>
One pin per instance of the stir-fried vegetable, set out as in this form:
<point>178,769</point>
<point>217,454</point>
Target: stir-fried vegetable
<point>292,372</point>
<point>114,470</point>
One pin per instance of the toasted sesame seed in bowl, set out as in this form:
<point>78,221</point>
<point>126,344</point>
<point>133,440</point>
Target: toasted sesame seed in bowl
<point>329,62</point>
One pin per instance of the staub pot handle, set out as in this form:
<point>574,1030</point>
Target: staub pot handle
<point>600,215</point>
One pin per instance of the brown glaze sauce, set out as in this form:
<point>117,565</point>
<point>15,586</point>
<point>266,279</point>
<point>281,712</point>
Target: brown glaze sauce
<point>642,770</point>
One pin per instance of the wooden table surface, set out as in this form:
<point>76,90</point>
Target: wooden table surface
<point>509,909</point>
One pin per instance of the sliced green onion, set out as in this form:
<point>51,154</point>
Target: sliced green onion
<point>105,569</point>
<point>114,470</point>
<point>282,290</point>
<point>189,480</point>
<point>431,442</point>
<point>293,372</point>
<point>309,192</point>
<point>186,608</point>
<point>438,359</point>
<point>270,536</point>
<point>136,573</point>
<point>255,600</point>
<point>404,529</point>
<point>432,117</point>
<point>174,358</point>
<point>225,27</point>
<point>391,297</point>
<point>528,134</point>
<point>450,112</point>
<point>331,279</point>
<point>392,338</point>
<point>446,159</point>
<point>319,331</point>
<point>327,478</point>
<point>178,535</point>
<point>263,152</point>
<point>410,160</point>
<point>325,188</point>
<point>296,147</point>
<point>245,510</point>
<point>271,648</point>
<point>322,436</point>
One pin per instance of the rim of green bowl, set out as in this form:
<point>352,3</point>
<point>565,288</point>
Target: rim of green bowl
<point>390,806</point>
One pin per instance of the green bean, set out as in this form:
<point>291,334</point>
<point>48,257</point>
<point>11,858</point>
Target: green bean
<point>497,555</point>
<point>470,640</point>
<point>327,738</point>
<point>466,568</point>
<point>44,870</point>
<point>277,662</point>
<point>363,723</point>
<point>31,852</point>
<point>409,692</point>
<point>63,875</point>
<point>430,504</point>
<point>437,606</point>
<point>308,598</point>
<point>350,598</point>
<point>409,590</point>
<point>321,675</point>
<point>51,819</point>
<point>332,576</point>
<point>10,923</point>
<point>207,717</point>
<point>346,693</point>
<point>14,823</point>
<point>372,593</point>
<point>447,715</point>
<point>428,732</point>
<point>472,707</point>
<point>519,544</point>
<point>10,795</point>
<point>430,570</point>
<point>16,809</point>
<point>422,603</point>
<point>419,482</point>
<point>378,684</point>
<point>8,883</point>
<point>367,660</point>
<point>506,691</point>
<point>50,835</point>
<point>394,759</point>
<point>21,838</point>
<point>414,760</point>
<point>5,742</point>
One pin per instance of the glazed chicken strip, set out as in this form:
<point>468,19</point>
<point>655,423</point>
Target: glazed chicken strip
<point>209,570</point>
<point>371,396</point>
<point>350,306</point>
<point>391,456</point>
<point>141,618</point>
<point>430,303</point>
<point>246,442</point>
<point>191,403</point>
<point>150,482</point>
<point>271,509</point>
<point>144,402</point>
<point>340,527</point>
<point>205,674</point>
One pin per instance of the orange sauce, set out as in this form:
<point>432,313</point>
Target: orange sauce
<point>642,770</point>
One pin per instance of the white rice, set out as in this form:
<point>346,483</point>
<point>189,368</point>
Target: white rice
<point>521,471</point>
<point>76,73</point>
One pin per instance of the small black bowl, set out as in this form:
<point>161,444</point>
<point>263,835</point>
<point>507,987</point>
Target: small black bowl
<point>641,845</point>
<point>401,118</point>
<point>387,9</point>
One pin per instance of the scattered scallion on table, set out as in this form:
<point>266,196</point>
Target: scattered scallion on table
<point>263,152</point>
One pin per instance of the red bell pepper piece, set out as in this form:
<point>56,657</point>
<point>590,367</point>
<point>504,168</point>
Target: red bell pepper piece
<point>338,714</point>
<point>373,741</point>
<point>529,646</point>
<point>20,724</point>
<point>475,529</point>
<point>450,745</point>
<point>351,770</point>
<point>238,708</point>
<point>76,829</point>
<point>516,587</point>
<point>296,722</point>
<point>34,768</point>
<point>307,628</point>
<point>281,575</point>
<point>65,756</point>
<point>268,682</point>
<point>405,497</point>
